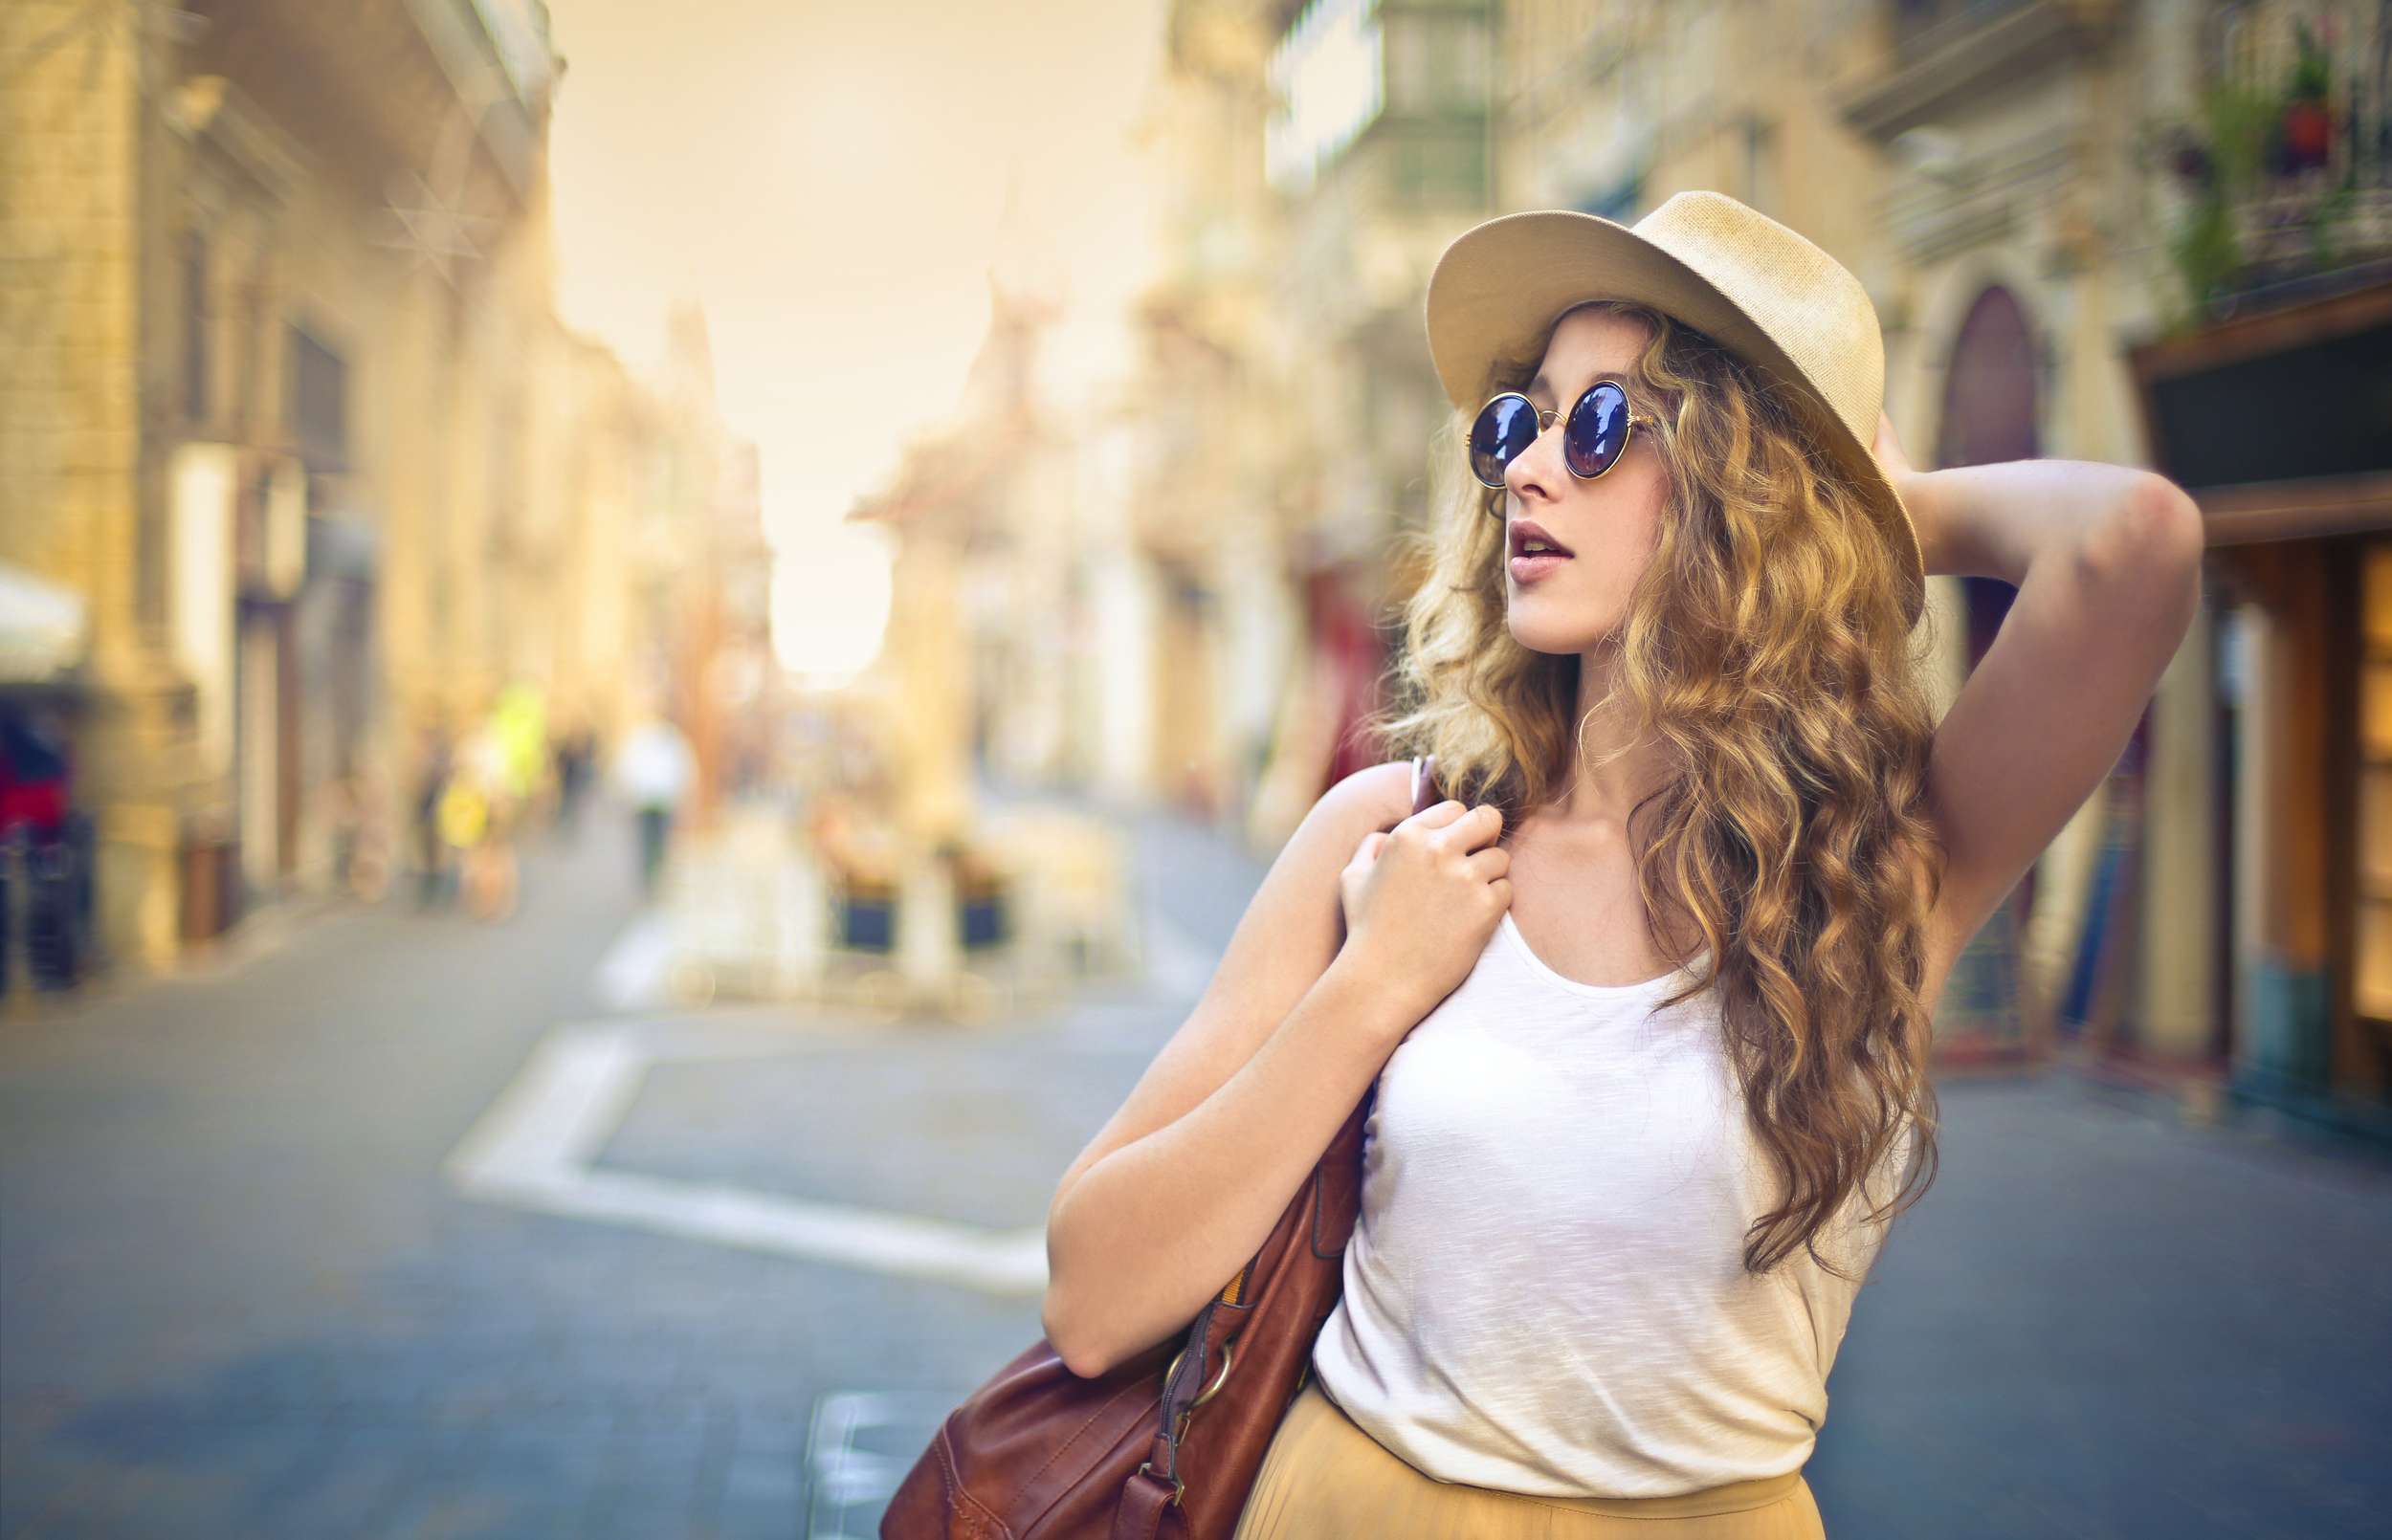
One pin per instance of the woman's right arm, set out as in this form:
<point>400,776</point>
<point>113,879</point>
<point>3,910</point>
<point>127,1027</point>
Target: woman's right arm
<point>1177,1192</point>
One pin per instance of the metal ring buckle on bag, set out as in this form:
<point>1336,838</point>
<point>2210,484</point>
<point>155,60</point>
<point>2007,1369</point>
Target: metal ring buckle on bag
<point>1212,1390</point>
<point>1179,1427</point>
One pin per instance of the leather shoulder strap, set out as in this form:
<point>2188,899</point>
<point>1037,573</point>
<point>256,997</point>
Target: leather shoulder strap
<point>1425,792</point>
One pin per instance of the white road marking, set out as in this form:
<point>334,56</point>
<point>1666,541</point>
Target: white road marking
<point>556,1115</point>
<point>534,1149</point>
<point>632,975</point>
<point>537,1145</point>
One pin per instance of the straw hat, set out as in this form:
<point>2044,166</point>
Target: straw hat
<point>1754,286</point>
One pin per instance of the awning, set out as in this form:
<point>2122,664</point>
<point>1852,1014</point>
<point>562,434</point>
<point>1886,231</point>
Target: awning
<point>42,628</point>
<point>2275,418</point>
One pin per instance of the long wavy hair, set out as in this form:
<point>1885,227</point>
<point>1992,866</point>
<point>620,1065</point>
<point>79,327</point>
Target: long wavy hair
<point>1765,648</point>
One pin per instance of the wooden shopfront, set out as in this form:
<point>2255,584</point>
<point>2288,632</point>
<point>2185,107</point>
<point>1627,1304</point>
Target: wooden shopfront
<point>2278,420</point>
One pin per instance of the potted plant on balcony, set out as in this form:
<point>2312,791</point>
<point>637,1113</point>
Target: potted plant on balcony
<point>2304,137</point>
<point>2219,165</point>
<point>2256,214</point>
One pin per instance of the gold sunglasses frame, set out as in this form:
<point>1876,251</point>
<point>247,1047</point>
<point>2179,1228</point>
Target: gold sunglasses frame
<point>1544,424</point>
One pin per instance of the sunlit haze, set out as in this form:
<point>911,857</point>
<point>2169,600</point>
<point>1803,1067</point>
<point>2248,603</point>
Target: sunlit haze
<point>834,183</point>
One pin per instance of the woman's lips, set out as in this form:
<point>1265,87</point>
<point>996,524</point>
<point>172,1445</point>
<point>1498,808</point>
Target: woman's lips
<point>1530,568</point>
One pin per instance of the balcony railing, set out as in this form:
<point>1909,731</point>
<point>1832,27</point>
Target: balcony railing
<point>1921,26</point>
<point>1949,53</point>
<point>2285,171</point>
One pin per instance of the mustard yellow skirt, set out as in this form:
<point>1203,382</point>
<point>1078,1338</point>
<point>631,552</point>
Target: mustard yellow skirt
<point>1325,1478</point>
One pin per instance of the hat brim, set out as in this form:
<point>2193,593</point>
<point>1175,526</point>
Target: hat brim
<point>1497,290</point>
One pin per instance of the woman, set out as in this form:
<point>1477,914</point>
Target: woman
<point>1651,996</point>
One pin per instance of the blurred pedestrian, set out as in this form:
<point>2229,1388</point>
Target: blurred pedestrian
<point>654,771</point>
<point>43,865</point>
<point>519,726</point>
<point>576,757</point>
<point>483,808</point>
<point>434,763</point>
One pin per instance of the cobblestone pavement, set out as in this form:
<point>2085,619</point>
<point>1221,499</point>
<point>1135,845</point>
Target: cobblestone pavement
<point>242,1293</point>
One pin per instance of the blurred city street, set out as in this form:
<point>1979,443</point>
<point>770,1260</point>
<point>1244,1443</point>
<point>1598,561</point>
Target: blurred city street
<point>246,1295</point>
<point>242,1296</point>
<point>646,653</point>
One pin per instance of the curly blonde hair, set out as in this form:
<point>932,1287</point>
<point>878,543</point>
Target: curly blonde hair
<point>1766,648</point>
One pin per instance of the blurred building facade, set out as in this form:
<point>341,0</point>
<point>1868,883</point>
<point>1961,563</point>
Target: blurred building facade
<point>1315,158</point>
<point>1998,173</point>
<point>1382,142</point>
<point>290,407</point>
<point>2208,907</point>
<point>1210,474</point>
<point>2265,402</point>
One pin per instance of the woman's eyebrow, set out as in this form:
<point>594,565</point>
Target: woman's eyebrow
<point>1539,384</point>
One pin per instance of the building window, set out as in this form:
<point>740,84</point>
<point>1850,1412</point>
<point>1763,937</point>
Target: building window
<point>318,402</point>
<point>197,360</point>
<point>1436,65</point>
<point>1458,63</point>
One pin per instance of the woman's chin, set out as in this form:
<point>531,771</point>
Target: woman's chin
<point>1534,626</point>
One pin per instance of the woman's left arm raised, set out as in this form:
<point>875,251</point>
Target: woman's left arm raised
<point>2107,563</point>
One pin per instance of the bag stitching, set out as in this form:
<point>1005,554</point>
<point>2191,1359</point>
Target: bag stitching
<point>1093,1418</point>
<point>977,1517</point>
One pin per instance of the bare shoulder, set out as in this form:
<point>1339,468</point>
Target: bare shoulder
<point>1379,797</point>
<point>1293,925</point>
<point>1305,869</point>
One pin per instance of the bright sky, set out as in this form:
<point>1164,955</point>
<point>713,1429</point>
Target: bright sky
<point>831,180</point>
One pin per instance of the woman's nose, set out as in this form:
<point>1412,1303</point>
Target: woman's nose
<point>1537,467</point>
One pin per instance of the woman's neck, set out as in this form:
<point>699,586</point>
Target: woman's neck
<point>1602,787</point>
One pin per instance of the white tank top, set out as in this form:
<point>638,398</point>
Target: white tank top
<point>1545,1291</point>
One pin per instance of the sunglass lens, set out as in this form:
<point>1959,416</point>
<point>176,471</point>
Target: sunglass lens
<point>1597,430</point>
<point>1506,426</point>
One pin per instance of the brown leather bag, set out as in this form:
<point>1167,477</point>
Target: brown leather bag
<point>1169,1443</point>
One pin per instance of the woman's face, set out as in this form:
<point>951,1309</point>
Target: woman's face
<point>1610,525</point>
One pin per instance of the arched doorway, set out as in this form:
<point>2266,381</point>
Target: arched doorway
<point>1989,415</point>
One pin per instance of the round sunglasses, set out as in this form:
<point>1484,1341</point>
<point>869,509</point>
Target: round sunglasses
<point>1592,440</point>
